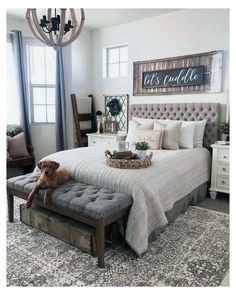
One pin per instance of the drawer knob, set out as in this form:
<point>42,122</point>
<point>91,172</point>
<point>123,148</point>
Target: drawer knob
<point>223,169</point>
<point>225,157</point>
<point>222,182</point>
<point>94,141</point>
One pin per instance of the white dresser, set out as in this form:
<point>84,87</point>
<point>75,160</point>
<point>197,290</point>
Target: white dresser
<point>107,140</point>
<point>220,170</point>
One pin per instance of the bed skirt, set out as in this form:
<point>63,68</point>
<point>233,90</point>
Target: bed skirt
<point>197,195</point>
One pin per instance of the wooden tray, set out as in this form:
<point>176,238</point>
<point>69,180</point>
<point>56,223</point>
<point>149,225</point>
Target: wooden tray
<point>128,164</point>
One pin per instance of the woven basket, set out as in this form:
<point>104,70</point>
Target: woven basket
<point>128,164</point>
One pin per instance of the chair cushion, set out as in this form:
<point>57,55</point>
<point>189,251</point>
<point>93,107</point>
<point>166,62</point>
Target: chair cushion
<point>17,147</point>
<point>88,200</point>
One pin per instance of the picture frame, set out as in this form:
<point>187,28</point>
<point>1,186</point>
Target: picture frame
<point>209,64</point>
<point>121,119</point>
<point>110,127</point>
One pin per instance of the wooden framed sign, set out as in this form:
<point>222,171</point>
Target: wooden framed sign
<point>177,75</point>
<point>173,77</point>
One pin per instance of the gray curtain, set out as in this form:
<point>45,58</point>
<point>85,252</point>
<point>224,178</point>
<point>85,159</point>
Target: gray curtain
<point>61,143</point>
<point>17,45</point>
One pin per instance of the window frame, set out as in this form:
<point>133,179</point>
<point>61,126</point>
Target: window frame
<point>31,86</point>
<point>107,63</point>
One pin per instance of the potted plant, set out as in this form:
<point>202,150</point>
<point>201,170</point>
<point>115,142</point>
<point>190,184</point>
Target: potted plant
<point>141,148</point>
<point>224,131</point>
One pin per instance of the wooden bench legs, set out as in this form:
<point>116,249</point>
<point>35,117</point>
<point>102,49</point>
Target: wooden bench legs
<point>100,239</point>
<point>10,203</point>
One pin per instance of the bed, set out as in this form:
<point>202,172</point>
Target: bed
<point>175,179</point>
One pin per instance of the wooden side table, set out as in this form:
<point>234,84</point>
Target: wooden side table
<point>107,140</point>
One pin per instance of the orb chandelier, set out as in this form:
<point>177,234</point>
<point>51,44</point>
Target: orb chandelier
<point>53,29</point>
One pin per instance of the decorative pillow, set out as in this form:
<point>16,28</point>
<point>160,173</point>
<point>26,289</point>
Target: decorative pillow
<point>199,133</point>
<point>17,147</point>
<point>171,134</point>
<point>199,129</point>
<point>187,131</point>
<point>143,120</point>
<point>132,127</point>
<point>152,137</point>
<point>8,156</point>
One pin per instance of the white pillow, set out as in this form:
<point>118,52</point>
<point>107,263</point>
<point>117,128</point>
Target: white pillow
<point>142,120</point>
<point>199,133</point>
<point>171,134</point>
<point>187,131</point>
<point>187,134</point>
<point>133,125</point>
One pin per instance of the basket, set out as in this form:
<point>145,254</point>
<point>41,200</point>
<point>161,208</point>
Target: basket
<point>128,164</point>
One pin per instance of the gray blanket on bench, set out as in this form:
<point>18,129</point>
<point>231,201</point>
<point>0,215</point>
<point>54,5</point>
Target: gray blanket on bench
<point>173,175</point>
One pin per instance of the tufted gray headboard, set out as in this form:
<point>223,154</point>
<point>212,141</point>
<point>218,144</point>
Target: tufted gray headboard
<point>185,112</point>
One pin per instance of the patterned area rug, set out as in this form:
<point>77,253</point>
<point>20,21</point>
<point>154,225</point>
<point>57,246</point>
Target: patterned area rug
<point>192,251</point>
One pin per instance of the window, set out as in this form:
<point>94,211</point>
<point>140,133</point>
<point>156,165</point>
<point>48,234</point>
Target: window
<point>13,99</point>
<point>41,67</point>
<point>117,61</point>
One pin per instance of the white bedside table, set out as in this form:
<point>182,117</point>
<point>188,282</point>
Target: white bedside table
<point>220,170</point>
<point>107,140</point>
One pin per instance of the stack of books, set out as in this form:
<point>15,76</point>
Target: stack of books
<point>123,155</point>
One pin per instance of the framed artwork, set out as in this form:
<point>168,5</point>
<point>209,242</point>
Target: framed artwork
<point>116,110</point>
<point>111,127</point>
<point>194,73</point>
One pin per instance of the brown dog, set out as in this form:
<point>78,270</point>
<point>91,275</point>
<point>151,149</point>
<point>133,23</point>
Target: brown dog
<point>52,175</point>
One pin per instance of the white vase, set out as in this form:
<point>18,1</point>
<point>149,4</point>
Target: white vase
<point>141,153</point>
<point>99,121</point>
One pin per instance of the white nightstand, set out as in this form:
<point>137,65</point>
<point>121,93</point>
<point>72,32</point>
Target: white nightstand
<point>220,170</point>
<point>107,140</point>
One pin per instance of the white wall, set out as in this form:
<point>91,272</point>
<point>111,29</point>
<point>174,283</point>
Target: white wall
<point>177,33</point>
<point>81,67</point>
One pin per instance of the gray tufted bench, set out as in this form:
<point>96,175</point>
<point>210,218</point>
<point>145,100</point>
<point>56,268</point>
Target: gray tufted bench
<point>86,203</point>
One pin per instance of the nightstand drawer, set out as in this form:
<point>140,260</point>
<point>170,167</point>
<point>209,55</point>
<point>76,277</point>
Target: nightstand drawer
<point>105,140</point>
<point>223,182</point>
<point>223,169</point>
<point>94,141</point>
<point>102,142</point>
<point>223,155</point>
<point>109,142</point>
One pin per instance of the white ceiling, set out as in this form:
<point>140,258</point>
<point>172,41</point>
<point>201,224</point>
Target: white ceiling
<point>100,18</point>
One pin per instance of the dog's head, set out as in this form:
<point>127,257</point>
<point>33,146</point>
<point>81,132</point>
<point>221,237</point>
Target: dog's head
<point>48,167</point>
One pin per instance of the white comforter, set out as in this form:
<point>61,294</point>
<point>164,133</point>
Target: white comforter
<point>173,175</point>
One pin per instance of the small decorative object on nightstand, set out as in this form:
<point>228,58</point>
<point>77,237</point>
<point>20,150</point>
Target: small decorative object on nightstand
<point>224,130</point>
<point>105,140</point>
<point>99,121</point>
<point>220,169</point>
